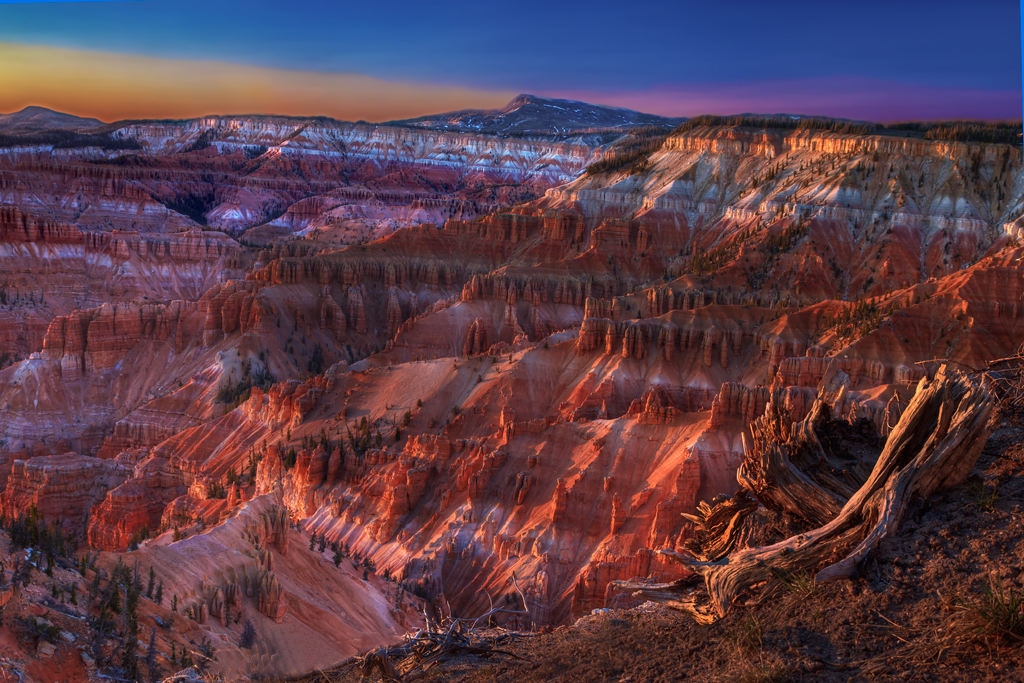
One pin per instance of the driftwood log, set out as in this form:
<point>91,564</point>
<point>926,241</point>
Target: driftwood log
<point>849,506</point>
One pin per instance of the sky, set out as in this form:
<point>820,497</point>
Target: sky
<point>869,60</point>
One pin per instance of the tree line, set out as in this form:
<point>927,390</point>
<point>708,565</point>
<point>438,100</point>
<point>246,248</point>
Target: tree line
<point>66,139</point>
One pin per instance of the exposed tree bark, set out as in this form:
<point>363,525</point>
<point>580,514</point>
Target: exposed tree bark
<point>788,468</point>
<point>934,446</point>
<point>718,528</point>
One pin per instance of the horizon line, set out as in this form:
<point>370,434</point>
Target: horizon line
<point>398,122</point>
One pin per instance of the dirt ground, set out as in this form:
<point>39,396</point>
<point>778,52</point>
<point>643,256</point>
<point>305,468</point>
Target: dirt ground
<point>910,616</point>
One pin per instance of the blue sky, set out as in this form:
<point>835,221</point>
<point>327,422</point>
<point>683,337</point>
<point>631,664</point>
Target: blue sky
<point>648,52</point>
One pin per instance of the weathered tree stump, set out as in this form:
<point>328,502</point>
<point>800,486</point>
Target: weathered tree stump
<point>934,446</point>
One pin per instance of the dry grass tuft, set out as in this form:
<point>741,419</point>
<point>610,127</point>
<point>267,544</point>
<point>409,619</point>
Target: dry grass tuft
<point>767,668</point>
<point>747,633</point>
<point>994,621</point>
<point>999,614</point>
<point>798,582</point>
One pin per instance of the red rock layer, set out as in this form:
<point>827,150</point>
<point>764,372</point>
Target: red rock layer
<point>63,488</point>
<point>135,504</point>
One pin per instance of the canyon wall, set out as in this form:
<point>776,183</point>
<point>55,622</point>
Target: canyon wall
<point>541,391</point>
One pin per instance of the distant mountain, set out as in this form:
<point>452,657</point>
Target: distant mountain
<point>35,119</point>
<point>528,114</point>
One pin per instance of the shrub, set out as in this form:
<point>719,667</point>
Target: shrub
<point>215,490</point>
<point>248,637</point>
<point>38,629</point>
<point>209,654</point>
<point>236,393</point>
<point>316,362</point>
<point>254,151</point>
<point>631,151</point>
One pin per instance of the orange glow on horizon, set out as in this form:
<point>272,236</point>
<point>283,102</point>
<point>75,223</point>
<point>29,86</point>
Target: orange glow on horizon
<point>111,87</point>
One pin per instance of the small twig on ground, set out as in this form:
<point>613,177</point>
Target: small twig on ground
<point>443,638</point>
<point>948,360</point>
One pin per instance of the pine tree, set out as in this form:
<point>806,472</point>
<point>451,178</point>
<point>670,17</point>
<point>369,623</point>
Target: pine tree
<point>151,654</point>
<point>149,585</point>
<point>252,467</point>
<point>248,638</point>
<point>160,593</point>
<point>94,587</point>
<point>129,658</point>
<point>208,655</point>
<point>114,603</point>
